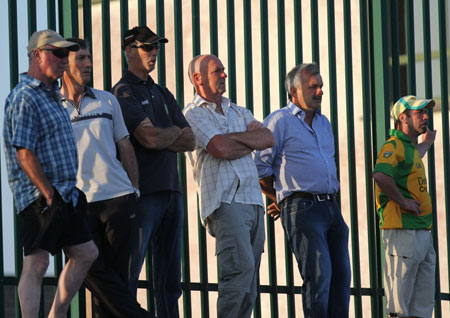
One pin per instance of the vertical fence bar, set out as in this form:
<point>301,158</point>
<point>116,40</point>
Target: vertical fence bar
<point>315,31</point>
<point>51,14</point>
<point>178,15</point>
<point>31,13</point>
<point>87,30</point>
<point>265,78</point>
<point>213,33</point>
<point>69,19</point>
<point>410,43</point>
<point>203,257</point>
<point>161,30</point>
<point>444,73</point>
<point>395,56</point>
<point>142,12</point>
<point>248,54</point>
<point>298,31</point>
<point>375,299</point>
<point>332,79</point>
<point>431,155</point>
<point>231,52</point>
<point>351,158</point>
<point>106,41</point>
<point>123,27</point>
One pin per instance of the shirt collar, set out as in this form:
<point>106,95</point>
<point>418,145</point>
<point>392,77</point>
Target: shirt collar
<point>35,83</point>
<point>87,91</point>
<point>136,80</point>
<point>199,101</point>
<point>400,135</point>
<point>297,111</point>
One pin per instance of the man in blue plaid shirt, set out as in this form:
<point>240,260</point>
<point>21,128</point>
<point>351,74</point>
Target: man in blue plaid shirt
<point>41,159</point>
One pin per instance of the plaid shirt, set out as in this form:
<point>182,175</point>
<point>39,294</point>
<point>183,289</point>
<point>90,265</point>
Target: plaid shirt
<point>220,180</point>
<point>35,119</point>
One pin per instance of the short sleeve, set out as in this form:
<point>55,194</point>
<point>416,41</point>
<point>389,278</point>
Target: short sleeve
<point>387,161</point>
<point>132,113</point>
<point>120,129</point>
<point>201,126</point>
<point>24,123</point>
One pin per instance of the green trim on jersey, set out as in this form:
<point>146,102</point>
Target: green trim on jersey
<point>400,159</point>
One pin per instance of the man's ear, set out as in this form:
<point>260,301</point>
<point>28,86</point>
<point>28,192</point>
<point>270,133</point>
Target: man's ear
<point>293,92</point>
<point>197,78</point>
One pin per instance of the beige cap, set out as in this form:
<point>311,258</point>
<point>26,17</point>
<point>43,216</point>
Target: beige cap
<point>44,37</point>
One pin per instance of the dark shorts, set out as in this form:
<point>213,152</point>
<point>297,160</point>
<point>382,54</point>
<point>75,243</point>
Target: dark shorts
<point>51,228</point>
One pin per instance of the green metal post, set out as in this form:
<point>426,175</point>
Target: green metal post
<point>431,156</point>
<point>298,31</point>
<point>142,12</point>
<point>351,158</point>
<point>68,21</point>
<point>376,303</point>
<point>248,54</point>
<point>231,52</point>
<point>444,74</point>
<point>87,30</point>
<point>31,13</point>
<point>395,56</point>
<point>410,43</point>
<point>123,28</point>
<point>106,41</point>
<point>213,30</point>
<point>315,31</point>
<point>160,30</point>
<point>51,14</point>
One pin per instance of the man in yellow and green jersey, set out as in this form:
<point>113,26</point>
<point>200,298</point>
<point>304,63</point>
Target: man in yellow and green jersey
<point>405,211</point>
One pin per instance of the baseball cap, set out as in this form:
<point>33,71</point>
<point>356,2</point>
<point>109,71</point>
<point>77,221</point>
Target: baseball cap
<point>44,37</point>
<point>410,102</point>
<point>142,34</point>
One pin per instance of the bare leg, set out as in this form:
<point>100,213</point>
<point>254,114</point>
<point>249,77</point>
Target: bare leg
<point>34,268</point>
<point>81,257</point>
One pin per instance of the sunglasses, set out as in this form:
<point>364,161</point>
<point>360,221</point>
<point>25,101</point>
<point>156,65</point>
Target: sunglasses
<point>146,47</point>
<point>59,53</point>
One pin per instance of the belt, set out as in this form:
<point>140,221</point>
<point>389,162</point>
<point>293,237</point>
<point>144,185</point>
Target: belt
<point>314,197</point>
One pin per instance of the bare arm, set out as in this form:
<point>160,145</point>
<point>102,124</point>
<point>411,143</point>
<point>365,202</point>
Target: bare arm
<point>427,141</point>
<point>389,187</point>
<point>154,137</point>
<point>32,167</point>
<point>128,159</point>
<point>257,137</point>
<point>186,142</point>
<point>273,209</point>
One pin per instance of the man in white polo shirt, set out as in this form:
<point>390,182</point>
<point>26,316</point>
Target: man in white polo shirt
<point>110,185</point>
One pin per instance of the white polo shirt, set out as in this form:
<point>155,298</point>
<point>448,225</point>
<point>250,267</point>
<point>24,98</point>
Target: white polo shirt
<point>98,125</point>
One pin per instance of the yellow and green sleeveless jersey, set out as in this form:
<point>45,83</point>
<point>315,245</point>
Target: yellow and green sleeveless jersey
<point>400,159</point>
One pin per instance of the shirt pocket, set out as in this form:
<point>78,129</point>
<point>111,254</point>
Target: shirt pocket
<point>228,257</point>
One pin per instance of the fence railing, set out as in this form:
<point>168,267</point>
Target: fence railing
<point>370,54</point>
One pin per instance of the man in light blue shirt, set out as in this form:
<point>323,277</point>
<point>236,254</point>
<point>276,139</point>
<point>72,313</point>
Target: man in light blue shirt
<point>299,175</point>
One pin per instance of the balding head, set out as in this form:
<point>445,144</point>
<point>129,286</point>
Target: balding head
<point>207,74</point>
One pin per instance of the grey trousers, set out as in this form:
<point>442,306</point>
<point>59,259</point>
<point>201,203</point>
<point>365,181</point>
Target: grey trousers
<point>239,232</point>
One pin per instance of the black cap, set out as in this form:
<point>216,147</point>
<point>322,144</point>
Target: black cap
<point>142,34</point>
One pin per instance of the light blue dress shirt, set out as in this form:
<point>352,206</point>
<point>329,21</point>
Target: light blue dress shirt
<point>302,158</point>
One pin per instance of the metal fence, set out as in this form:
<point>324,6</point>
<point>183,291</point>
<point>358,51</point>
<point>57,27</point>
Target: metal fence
<point>370,54</point>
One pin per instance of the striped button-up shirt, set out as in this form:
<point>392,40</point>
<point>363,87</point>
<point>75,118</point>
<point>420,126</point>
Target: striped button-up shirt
<point>220,180</point>
<point>36,120</point>
<point>302,158</point>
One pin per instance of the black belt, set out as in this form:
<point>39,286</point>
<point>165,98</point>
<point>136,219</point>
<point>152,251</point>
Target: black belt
<point>314,197</point>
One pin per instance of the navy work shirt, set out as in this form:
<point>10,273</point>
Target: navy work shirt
<point>144,98</point>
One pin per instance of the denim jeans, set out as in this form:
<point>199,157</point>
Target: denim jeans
<point>318,237</point>
<point>160,220</point>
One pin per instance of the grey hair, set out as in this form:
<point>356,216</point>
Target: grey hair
<point>296,76</point>
<point>191,67</point>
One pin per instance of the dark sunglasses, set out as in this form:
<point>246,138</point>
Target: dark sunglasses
<point>146,47</point>
<point>59,53</point>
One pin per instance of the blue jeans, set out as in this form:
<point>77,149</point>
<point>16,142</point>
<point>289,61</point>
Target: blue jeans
<point>160,220</point>
<point>318,237</point>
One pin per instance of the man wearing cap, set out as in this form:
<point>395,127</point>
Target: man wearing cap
<point>109,184</point>
<point>405,211</point>
<point>158,132</point>
<point>299,175</point>
<point>41,160</point>
<point>231,203</point>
